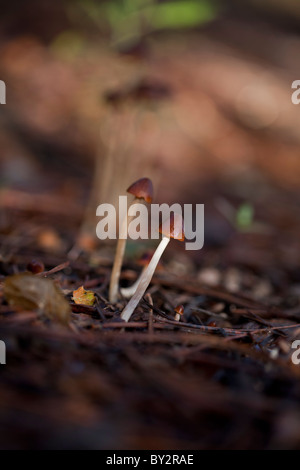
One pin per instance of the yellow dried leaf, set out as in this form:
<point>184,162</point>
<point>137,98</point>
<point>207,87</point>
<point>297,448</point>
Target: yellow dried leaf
<point>83,297</point>
<point>36,293</point>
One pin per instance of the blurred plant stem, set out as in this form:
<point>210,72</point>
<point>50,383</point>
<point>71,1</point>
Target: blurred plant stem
<point>124,161</point>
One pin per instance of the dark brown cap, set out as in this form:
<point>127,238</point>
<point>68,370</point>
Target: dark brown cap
<point>173,227</point>
<point>35,266</point>
<point>142,189</point>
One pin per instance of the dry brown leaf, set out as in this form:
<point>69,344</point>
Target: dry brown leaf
<point>35,293</point>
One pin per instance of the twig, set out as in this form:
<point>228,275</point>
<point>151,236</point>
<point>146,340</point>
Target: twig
<point>148,299</point>
<point>54,270</point>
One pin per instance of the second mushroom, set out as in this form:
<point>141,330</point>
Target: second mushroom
<point>171,228</point>
<point>141,189</point>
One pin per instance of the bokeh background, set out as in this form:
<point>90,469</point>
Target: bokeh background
<point>220,109</point>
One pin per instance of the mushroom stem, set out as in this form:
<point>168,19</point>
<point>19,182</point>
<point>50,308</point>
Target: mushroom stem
<point>116,270</point>
<point>145,279</point>
<point>141,189</point>
<point>115,275</point>
<point>128,292</point>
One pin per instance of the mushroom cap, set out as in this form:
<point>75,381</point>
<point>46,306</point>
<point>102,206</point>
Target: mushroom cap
<point>179,309</point>
<point>142,189</point>
<point>173,227</point>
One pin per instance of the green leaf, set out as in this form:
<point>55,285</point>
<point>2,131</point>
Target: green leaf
<point>244,215</point>
<point>180,14</point>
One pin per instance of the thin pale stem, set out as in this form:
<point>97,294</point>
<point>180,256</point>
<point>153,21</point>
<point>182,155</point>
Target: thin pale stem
<point>145,280</point>
<point>115,275</point>
<point>128,292</point>
<point>120,250</point>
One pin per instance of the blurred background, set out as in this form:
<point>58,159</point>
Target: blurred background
<point>195,94</point>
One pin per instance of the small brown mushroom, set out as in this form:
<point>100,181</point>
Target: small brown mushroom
<point>35,266</point>
<point>172,228</point>
<point>179,311</point>
<point>141,189</point>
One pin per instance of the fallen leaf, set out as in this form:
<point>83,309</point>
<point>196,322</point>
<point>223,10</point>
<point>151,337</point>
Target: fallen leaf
<point>83,297</point>
<point>35,293</point>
